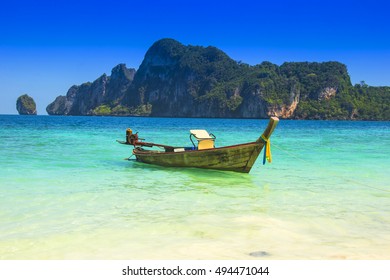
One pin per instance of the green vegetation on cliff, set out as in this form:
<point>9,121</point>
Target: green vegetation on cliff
<point>102,110</point>
<point>120,110</point>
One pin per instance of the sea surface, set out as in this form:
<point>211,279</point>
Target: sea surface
<point>66,192</point>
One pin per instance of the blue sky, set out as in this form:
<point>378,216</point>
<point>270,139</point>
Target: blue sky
<point>48,46</point>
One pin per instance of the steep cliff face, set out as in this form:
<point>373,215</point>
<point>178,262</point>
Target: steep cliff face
<point>84,99</point>
<point>193,81</point>
<point>26,105</point>
<point>287,110</point>
<point>178,80</point>
<point>60,106</point>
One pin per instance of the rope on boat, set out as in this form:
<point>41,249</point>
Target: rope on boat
<point>333,174</point>
<point>267,149</point>
<point>129,157</point>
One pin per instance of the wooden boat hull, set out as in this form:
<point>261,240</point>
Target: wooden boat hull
<point>239,158</point>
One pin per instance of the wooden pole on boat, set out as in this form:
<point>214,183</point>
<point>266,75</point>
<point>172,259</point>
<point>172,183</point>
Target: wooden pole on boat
<point>273,121</point>
<point>264,138</point>
<point>262,141</point>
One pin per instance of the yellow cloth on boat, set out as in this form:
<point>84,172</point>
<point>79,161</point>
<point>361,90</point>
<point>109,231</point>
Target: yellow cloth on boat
<point>205,144</point>
<point>268,154</point>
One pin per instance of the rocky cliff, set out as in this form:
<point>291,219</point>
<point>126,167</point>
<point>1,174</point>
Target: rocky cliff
<point>193,81</point>
<point>91,98</point>
<point>26,105</point>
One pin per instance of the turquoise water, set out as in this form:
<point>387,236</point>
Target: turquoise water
<point>67,193</point>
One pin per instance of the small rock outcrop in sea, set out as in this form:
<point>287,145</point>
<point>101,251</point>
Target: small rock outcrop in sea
<point>26,105</point>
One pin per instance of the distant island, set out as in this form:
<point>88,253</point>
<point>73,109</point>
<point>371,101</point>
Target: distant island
<point>175,80</point>
<point>26,105</point>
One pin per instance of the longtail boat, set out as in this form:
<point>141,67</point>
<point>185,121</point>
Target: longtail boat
<point>238,158</point>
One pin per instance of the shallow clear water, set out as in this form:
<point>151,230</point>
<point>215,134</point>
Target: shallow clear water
<point>67,193</point>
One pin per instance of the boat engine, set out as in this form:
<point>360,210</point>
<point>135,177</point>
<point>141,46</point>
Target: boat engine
<point>131,138</point>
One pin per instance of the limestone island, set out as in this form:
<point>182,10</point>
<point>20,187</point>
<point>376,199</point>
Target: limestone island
<point>175,80</point>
